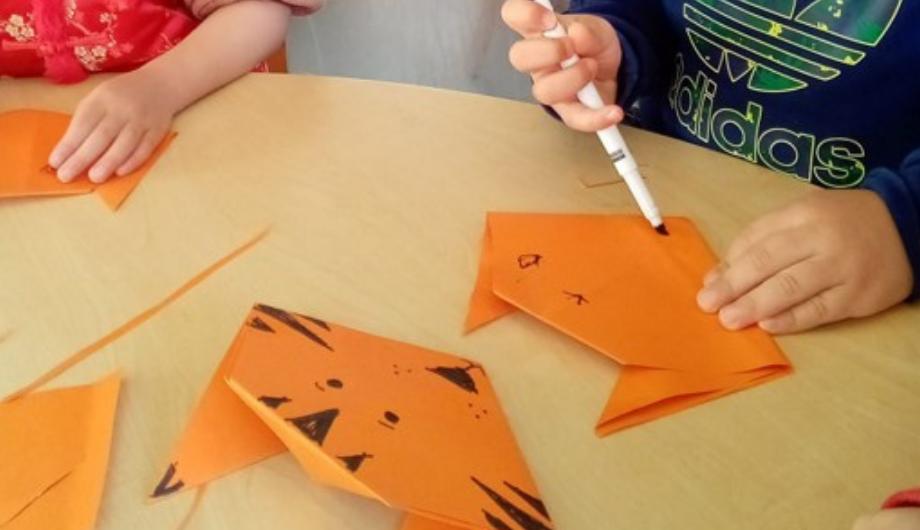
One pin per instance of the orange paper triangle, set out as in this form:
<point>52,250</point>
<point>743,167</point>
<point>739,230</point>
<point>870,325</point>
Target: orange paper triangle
<point>621,288</point>
<point>222,436</point>
<point>29,136</point>
<point>56,448</point>
<point>418,430</point>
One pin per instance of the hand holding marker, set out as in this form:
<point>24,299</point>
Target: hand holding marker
<point>613,141</point>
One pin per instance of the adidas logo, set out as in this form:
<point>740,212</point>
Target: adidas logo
<point>785,45</point>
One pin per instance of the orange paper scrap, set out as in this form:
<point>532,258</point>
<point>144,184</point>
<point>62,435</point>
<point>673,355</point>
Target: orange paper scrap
<point>54,452</point>
<point>29,136</point>
<point>616,285</point>
<point>135,321</point>
<point>415,429</point>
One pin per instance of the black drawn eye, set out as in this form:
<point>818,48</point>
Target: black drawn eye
<point>526,261</point>
<point>390,419</point>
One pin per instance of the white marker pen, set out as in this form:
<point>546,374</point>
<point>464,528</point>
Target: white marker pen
<point>612,139</point>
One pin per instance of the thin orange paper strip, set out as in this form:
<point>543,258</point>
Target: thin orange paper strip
<point>134,322</point>
<point>418,430</point>
<point>628,292</point>
<point>56,449</point>
<point>29,136</point>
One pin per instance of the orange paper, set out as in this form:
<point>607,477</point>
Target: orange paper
<point>29,136</point>
<point>54,448</point>
<point>417,430</point>
<point>134,322</point>
<point>616,285</point>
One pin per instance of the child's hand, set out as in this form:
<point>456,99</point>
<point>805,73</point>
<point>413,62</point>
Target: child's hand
<point>832,256</point>
<point>115,128</point>
<point>898,519</point>
<point>591,37</point>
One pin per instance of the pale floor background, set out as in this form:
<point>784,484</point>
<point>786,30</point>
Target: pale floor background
<point>455,44</point>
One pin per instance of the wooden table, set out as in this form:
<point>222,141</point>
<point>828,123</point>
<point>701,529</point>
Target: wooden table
<point>377,195</point>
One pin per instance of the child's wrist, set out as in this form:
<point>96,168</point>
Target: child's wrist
<point>172,91</point>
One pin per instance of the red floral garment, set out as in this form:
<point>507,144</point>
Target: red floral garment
<point>65,40</point>
<point>905,499</point>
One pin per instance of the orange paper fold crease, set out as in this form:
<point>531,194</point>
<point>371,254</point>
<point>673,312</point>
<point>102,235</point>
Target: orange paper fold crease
<point>415,429</point>
<point>55,449</point>
<point>619,287</point>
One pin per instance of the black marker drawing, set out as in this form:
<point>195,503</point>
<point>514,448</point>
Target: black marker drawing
<point>331,383</point>
<point>459,376</point>
<point>274,402</point>
<point>526,261</point>
<point>484,412</point>
<point>579,298</point>
<point>525,520</point>
<point>316,426</point>
<point>260,325</point>
<point>390,419</point>
<point>164,487</point>
<point>354,462</point>
<point>316,321</point>
<point>289,320</point>
<point>495,522</point>
<point>536,503</point>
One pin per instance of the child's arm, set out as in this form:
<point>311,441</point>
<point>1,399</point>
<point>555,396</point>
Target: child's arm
<point>833,256</point>
<point>117,126</point>
<point>611,38</point>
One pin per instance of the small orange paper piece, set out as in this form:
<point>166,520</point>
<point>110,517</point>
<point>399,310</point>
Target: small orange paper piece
<point>29,136</point>
<point>55,450</point>
<point>619,287</point>
<point>415,429</point>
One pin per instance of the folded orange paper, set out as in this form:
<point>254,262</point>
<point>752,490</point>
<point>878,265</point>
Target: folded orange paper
<point>619,287</point>
<point>29,136</point>
<point>54,452</point>
<point>415,429</point>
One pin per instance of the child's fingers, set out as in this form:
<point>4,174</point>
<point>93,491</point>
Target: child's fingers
<point>588,37</point>
<point>98,141</point>
<point>898,519</point>
<point>563,86</point>
<point>529,56</point>
<point>757,231</point>
<point>822,309</point>
<point>143,151</point>
<point>527,17</point>
<point>594,37</point>
<point>778,294</point>
<point>116,155</point>
<point>83,123</point>
<point>581,118</point>
<point>773,254</point>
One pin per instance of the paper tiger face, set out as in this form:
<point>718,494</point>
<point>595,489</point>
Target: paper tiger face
<point>420,430</point>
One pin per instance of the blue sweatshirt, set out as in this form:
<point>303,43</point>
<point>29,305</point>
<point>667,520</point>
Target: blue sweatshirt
<point>825,91</point>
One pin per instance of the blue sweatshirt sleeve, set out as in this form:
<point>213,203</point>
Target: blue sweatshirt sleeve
<point>901,192</point>
<point>648,43</point>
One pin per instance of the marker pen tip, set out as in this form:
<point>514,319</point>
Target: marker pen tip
<point>662,229</point>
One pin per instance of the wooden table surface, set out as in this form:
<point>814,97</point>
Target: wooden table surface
<point>377,194</point>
